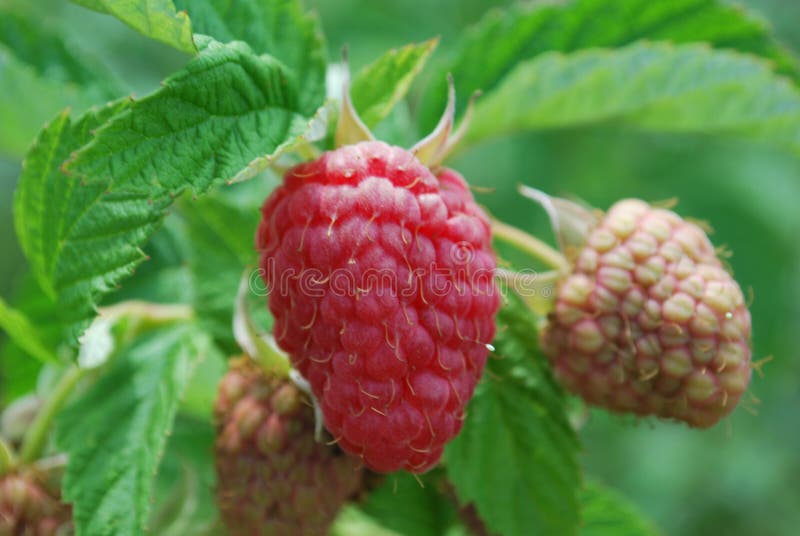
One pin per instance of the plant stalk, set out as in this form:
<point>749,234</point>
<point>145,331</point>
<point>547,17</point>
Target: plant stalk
<point>530,245</point>
<point>36,438</point>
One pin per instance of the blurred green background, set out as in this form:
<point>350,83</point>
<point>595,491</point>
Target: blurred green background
<point>740,478</point>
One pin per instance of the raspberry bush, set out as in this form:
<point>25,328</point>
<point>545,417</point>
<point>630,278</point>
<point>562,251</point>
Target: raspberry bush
<point>411,355</point>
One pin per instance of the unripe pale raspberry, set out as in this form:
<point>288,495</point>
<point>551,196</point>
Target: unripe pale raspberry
<point>274,478</point>
<point>29,508</point>
<point>381,281</point>
<point>649,322</point>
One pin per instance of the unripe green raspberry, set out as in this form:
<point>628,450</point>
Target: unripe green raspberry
<point>29,508</point>
<point>274,478</point>
<point>649,322</point>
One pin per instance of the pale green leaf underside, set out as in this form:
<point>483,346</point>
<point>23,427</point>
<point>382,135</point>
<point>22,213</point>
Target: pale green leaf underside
<point>156,19</point>
<point>504,38</point>
<point>604,512</point>
<point>225,109</point>
<point>80,240</point>
<point>280,28</point>
<point>657,87</point>
<point>516,457</point>
<point>115,433</point>
<point>20,330</point>
<point>380,85</point>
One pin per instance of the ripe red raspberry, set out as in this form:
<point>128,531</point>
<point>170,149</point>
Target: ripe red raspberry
<point>381,281</point>
<point>649,322</point>
<point>274,478</point>
<point>29,508</point>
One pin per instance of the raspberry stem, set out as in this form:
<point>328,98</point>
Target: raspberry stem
<point>36,437</point>
<point>530,245</point>
<point>7,458</point>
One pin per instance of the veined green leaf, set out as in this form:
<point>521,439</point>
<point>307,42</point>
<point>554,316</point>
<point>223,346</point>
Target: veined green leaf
<point>80,240</point>
<point>222,116</point>
<point>605,512</point>
<point>156,19</point>
<point>516,458</point>
<point>115,433</point>
<point>280,28</point>
<point>658,87</point>
<point>19,329</point>
<point>504,38</point>
<point>382,83</point>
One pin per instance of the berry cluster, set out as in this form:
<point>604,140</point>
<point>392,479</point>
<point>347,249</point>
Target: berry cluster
<point>274,478</point>
<point>29,508</point>
<point>649,322</point>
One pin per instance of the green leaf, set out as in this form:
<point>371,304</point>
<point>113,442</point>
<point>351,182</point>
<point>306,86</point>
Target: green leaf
<point>221,118</point>
<point>607,513</point>
<point>656,87</point>
<point>165,277</point>
<point>504,38</point>
<point>412,507</point>
<point>156,19</point>
<point>280,28</point>
<point>41,73</point>
<point>352,521</point>
<point>380,85</point>
<point>115,433</point>
<point>53,56</point>
<point>28,100</point>
<point>185,502</point>
<point>516,458</point>
<point>18,372</point>
<point>218,257</point>
<point>80,240</point>
<point>19,329</point>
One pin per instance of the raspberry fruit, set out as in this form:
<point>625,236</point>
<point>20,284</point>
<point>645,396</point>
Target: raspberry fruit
<point>649,322</point>
<point>29,508</point>
<point>274,478</point>
<point>381,281</point>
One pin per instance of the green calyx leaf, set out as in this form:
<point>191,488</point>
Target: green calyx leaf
<point>115,433</point>
<point>156,19</point>
<point>516,457</point>
<point>506,37</point>
<point>654,87</point>
<point>225,109</point>
<point>280,28</point>
<point>379,86</point>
